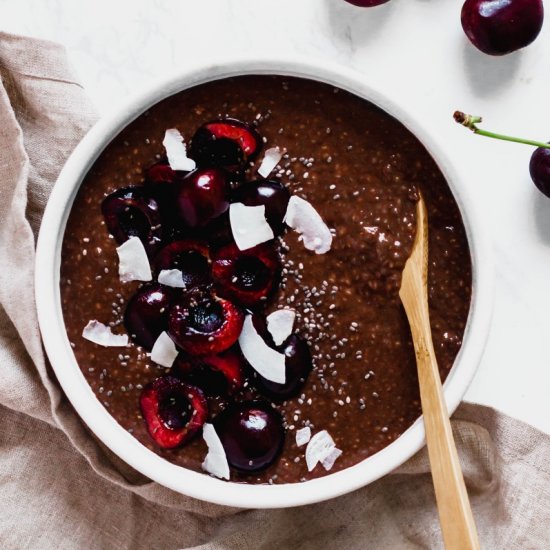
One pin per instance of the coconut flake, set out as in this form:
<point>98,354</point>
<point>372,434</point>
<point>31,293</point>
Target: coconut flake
<point>266,361</point>
<point>329,461</point>
<point>303,435</point>
<point>271,158</point>
<point>280,324</point>
<point>320,446</point>
<point>176,151</point>
<point>164,351</point>
<point>98,333</point>
<point>171,277</point>
<point>302,217</point>
<point>133,264</point>
<point>248,225</point>
<point>215,462</point>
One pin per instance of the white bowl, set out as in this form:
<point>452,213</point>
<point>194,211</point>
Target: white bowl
<point>198,485</point>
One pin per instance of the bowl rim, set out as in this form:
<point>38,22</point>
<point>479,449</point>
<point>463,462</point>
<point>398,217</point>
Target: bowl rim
<point>98,419</point>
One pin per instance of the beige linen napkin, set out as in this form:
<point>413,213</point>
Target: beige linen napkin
<point>60,489</point>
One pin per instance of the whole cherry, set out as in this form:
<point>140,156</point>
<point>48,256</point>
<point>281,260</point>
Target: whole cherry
<point>252,435</point>
<point>539,168</point>
<point>202,196</point>
<point>366,3</point>
<point>498,27</point>
<point>270,193</point>
<point>146,314</point>
<point>298,365</point>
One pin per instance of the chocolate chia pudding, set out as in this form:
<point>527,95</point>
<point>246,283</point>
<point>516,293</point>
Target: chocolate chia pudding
<point>350,364</point>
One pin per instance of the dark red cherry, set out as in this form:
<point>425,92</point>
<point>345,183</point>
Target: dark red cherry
<point>498,27</point>
<point>273,194</point>
<point>146,314</point>
<point>231,364</point>
<point>160,173</point>
<point>131,212</point>
<point>191,257</point>
<point>214,374</point>
<point>252,435</point>
<point>173,411</point>
<point>205,324</point>
<point>227,143</point>
<point>246,276</point>
<point>159,183</point>
<point>539,168</point>
<point>202,196</point>
<point>298,364</point>
<point>366,3</point>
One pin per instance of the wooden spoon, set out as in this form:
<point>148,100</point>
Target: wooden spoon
<point>455,513</point>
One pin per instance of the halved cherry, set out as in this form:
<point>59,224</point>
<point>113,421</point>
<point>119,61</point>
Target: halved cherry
<point>227,143</point>
<point>214,374</point>
<point>298,365</point>
<point>203,324</point>
<point>231,364</point>
<point>173,411</point>
<point>146,314</point>
<point>159,173</point>
<point>131,212</point>
<point>191,257</point>
<point>246,276</point>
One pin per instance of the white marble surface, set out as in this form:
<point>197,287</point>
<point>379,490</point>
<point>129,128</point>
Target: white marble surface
<point>413,49</point>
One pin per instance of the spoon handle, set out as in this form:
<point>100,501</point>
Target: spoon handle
<point>455,514</point>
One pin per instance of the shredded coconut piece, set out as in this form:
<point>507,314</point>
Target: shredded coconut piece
<point>280,324</point>
<point>133,264</point>
<point>171,277</point>
<point>266,361</point>
<point>164,351</point>
<point>329,461</point>
<point>302,217</point>
<point>271,158</point>
<point>249,226</point>
<point>215,462</point>
<point>320,446</point>
<point>176,151</point>
<point>98,333</point>
<point>303,435</point>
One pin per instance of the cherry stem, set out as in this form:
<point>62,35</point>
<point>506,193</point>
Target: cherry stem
<point>470,122</point>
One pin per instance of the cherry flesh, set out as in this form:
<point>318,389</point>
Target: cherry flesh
<point>131,212</point>
<point>227,143</point>
<point>246,276</point>
<point>173,411</point>
<point>204,324</point>
<point>191,257</point>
